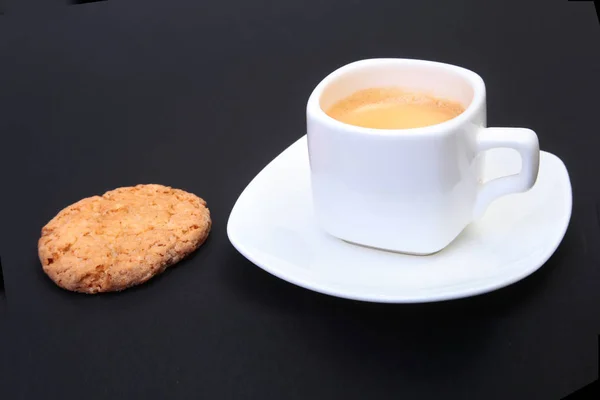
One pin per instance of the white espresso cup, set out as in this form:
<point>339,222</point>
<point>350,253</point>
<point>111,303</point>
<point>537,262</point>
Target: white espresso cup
<point>408,190</point>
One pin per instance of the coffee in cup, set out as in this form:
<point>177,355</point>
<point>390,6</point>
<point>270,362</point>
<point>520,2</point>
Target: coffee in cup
<point>393,108</point>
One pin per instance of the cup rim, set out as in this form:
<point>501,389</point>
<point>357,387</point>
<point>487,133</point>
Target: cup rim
<point>314,109</point>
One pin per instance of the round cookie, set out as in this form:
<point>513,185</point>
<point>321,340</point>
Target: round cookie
<point>122,238</point>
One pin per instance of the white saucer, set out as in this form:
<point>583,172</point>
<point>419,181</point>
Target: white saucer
<point>272,225</point>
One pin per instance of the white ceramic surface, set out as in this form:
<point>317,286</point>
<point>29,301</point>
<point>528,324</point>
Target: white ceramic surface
<point>408,190</point>
<point>273,225</point>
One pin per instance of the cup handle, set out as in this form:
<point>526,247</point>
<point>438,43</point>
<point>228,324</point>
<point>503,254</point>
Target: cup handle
<point>523,140</point>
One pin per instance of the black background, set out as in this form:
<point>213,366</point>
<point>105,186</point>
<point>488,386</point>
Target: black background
<point>201,95</point>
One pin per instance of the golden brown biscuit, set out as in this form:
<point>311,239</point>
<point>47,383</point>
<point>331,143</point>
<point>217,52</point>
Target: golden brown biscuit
<point>122,238</point>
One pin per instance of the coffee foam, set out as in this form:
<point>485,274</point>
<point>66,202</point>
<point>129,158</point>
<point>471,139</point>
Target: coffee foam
<point>367,107</point>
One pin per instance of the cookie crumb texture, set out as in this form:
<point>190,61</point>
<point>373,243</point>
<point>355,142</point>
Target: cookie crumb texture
<point>123,238</point>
